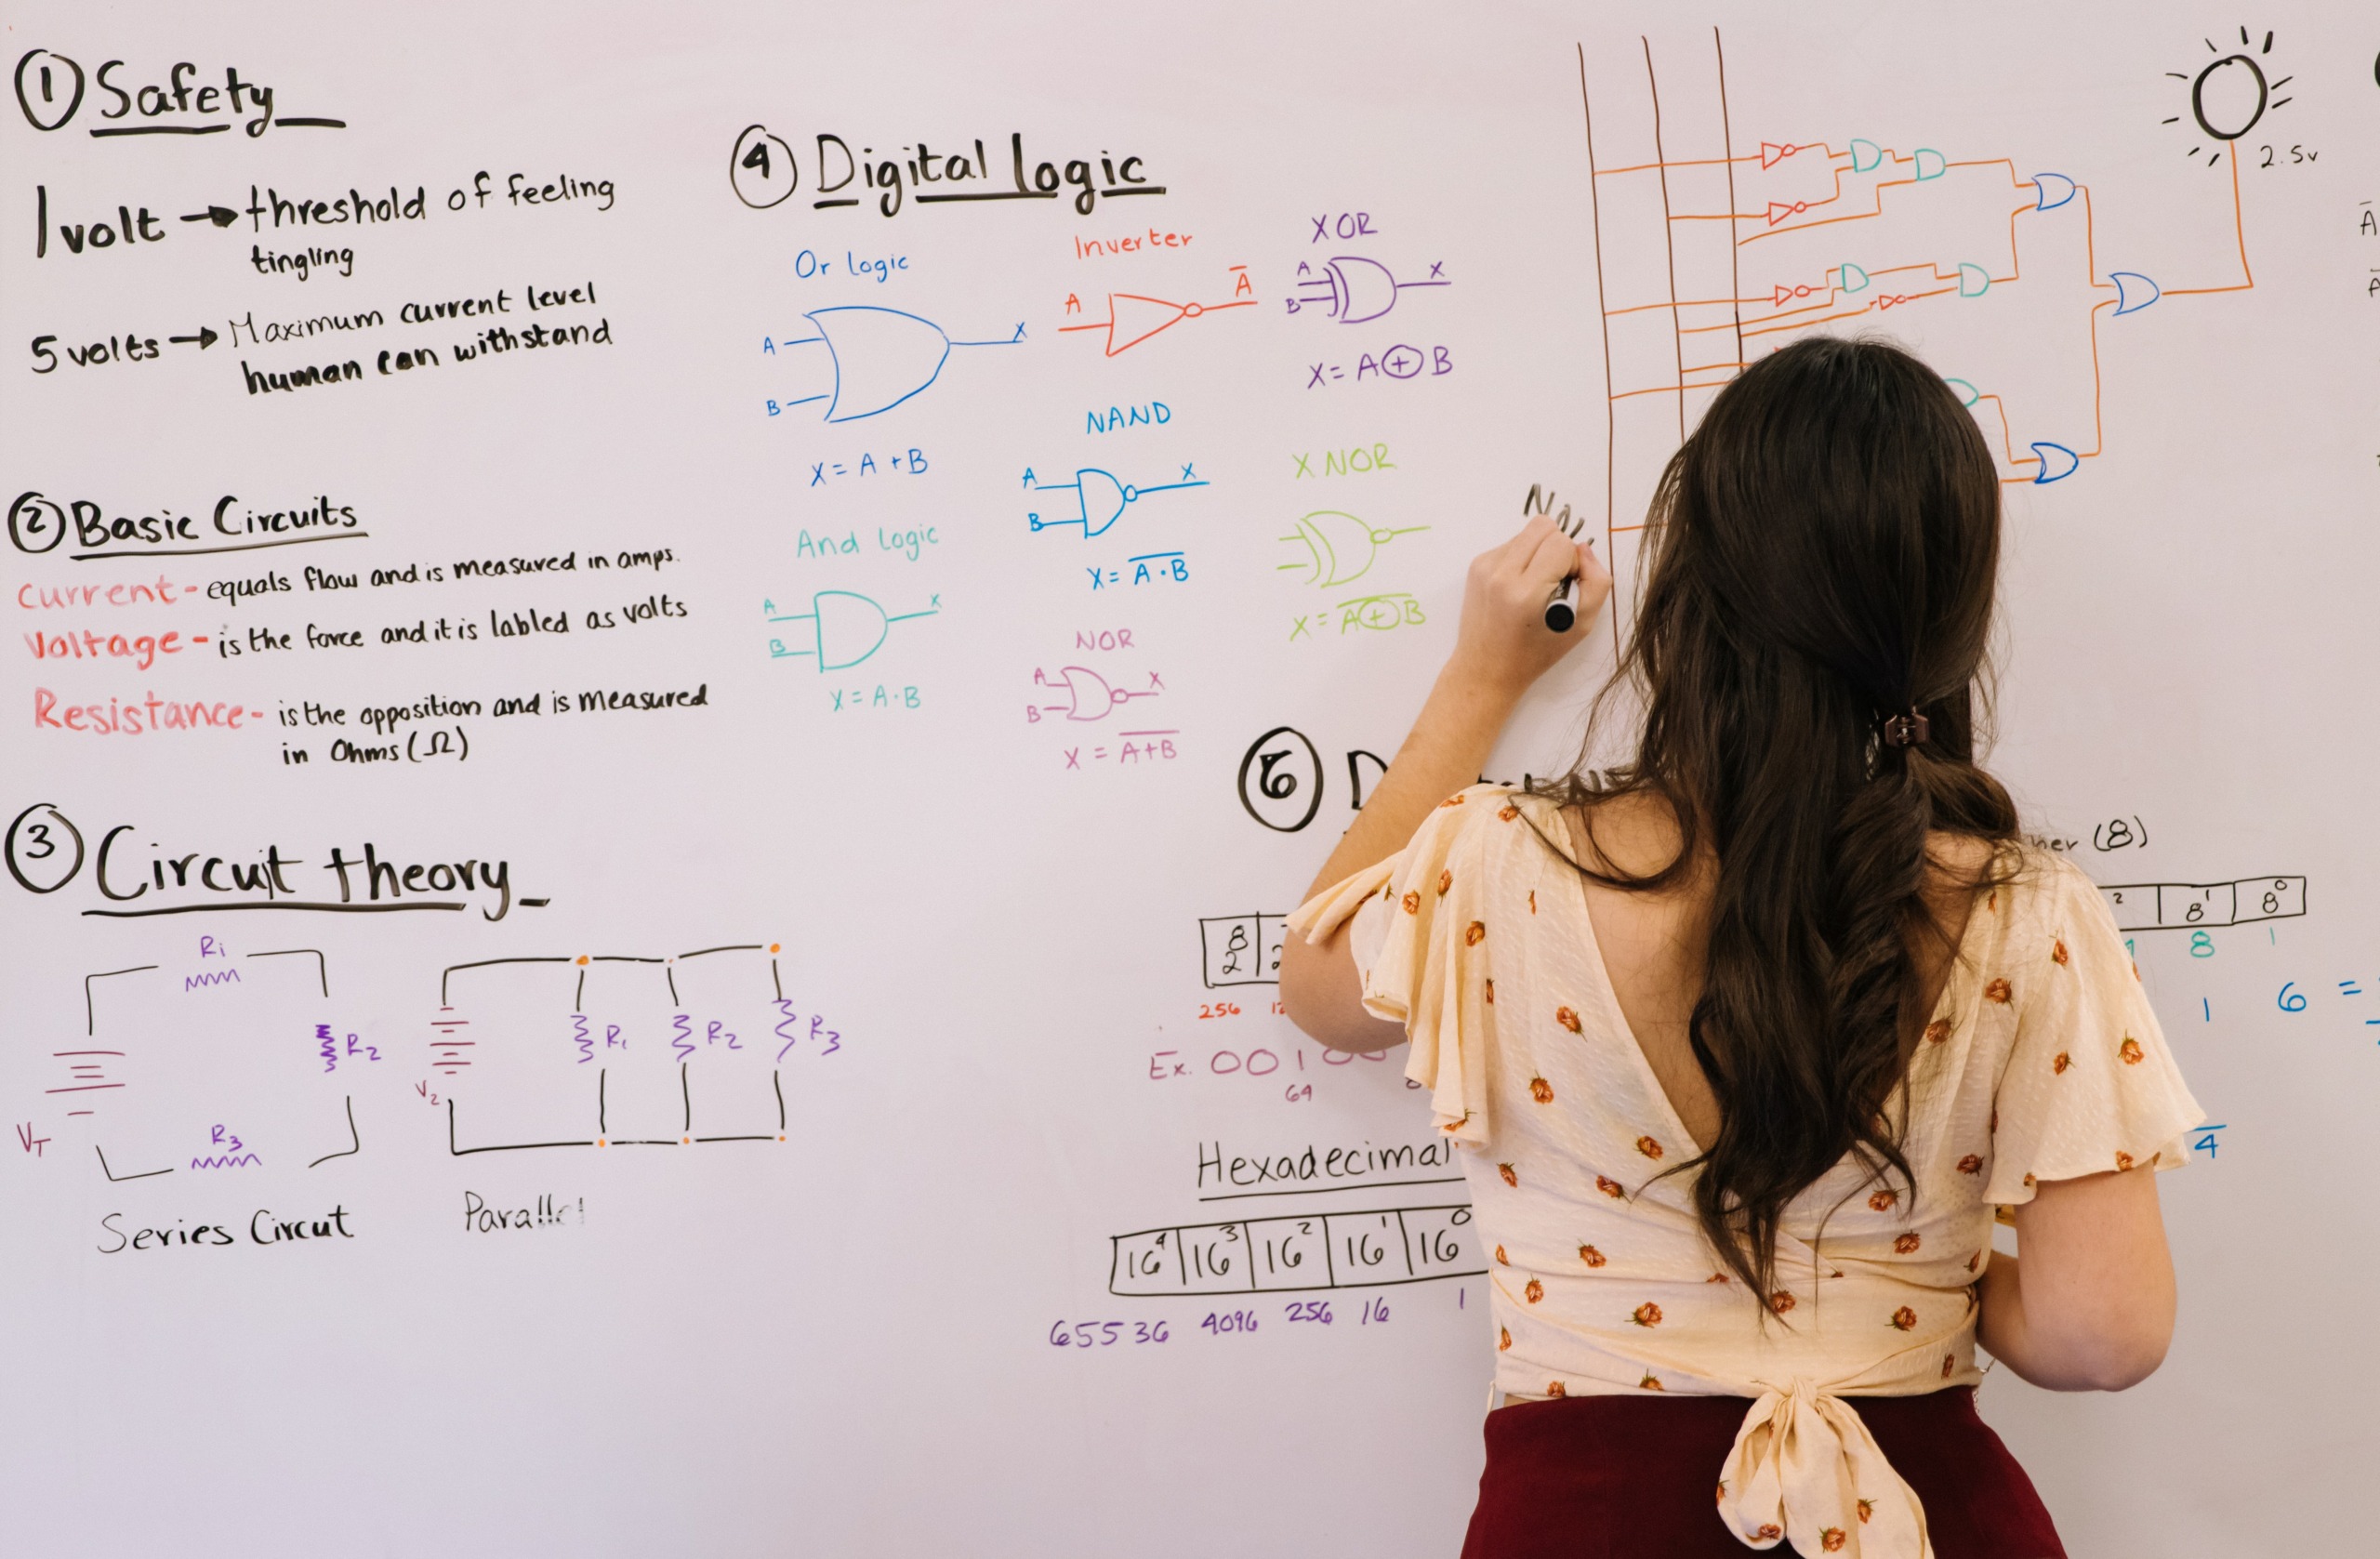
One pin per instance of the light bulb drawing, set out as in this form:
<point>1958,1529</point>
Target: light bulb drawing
<point>1353,290</point>
<point>869,360</point>
<point>1339,548</point>
<point>2229,95</point>
<point>845,627</point>
<point>1100,499</point>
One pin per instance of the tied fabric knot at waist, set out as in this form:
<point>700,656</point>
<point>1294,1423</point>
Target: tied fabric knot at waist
<point>1805,1471</point>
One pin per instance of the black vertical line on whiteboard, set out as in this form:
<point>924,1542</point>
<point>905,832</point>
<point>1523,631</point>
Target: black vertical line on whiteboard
<point>1602,319</point>
<point>600,1107</point>
<point>686,1094</point>
<point>672,975</point>
<point>578,997</point>
<point>778,1084</point>
<point>776,980</point>
<point>322,965</point>
<point>1669,237</point>
<point>353,1134</point>
<point>1727,141</point>
<point>90,1023</point>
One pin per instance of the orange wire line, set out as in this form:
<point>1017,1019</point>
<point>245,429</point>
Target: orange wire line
<point>1714,162</point>
<point>1681,163</point>
<point>2099,424</point>
<point>2239,226</point>
<point>1776,322</point>
<point>1682,303</point>
<point>2007,440</point>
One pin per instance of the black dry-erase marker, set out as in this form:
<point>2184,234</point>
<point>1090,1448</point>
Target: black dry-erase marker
<point>1562,611</point>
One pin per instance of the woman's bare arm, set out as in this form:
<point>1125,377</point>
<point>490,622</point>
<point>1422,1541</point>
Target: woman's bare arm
<point>2090,1307</point>
<point>1502,647</point>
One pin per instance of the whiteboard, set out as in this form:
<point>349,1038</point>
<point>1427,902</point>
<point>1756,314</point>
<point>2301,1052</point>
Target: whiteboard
<point>670,676</point>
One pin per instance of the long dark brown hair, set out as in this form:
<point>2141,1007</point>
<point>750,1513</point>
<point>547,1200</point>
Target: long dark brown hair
<point>1822,557</point>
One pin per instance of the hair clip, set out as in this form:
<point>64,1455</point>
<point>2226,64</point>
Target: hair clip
<point>1906,731</point>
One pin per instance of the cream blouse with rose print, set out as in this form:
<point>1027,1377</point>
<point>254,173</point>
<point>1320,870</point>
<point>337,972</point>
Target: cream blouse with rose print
<point>2041,1060</point>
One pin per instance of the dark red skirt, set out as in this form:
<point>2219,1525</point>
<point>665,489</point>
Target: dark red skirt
<point>1630,1478</point>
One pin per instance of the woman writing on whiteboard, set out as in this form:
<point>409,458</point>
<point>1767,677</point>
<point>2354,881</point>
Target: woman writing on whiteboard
<point>1746,1039</point>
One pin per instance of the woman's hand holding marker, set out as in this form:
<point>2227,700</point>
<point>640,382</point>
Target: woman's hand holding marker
<point>1507,639</point>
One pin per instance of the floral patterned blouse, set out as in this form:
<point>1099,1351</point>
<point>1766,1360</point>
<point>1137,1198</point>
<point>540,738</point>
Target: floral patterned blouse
<point>2041,1062</point>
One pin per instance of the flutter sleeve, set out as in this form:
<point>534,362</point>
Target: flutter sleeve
<point>2090,1085</point>
<point>1417,927</point>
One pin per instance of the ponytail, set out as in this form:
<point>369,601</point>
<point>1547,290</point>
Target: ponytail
<point>1809,649</point>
